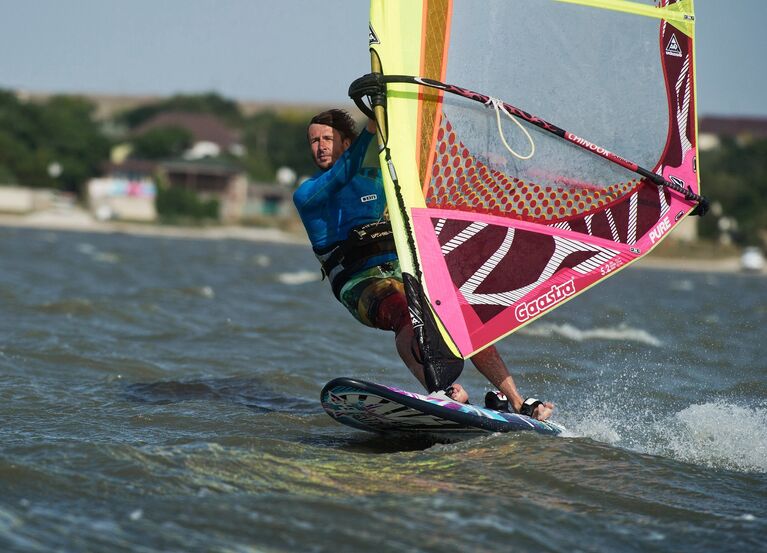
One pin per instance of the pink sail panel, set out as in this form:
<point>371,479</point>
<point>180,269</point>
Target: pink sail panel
<point>489,275</point>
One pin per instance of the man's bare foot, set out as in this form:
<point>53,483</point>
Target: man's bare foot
<point>543,411</point>
<point>457,393</point>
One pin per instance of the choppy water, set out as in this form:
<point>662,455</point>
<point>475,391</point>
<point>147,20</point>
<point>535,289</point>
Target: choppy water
<point>161,394</point>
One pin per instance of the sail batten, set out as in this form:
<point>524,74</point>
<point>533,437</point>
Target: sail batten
<point>493,237</point>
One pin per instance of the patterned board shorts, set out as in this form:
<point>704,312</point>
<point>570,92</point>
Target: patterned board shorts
<point>364,292</point>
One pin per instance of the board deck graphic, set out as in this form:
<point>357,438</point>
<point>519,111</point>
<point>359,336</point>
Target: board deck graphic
<point>385,409</point>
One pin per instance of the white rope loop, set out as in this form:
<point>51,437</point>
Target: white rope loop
<point>499,107</point>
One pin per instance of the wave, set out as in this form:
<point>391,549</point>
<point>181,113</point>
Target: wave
<point>201,291</point>
<point>298,277</point>
<point>262,260</point>
<point>68,306</point>
<point>91,251</point>
<point>250,392</point>
<point>621,333</point>
<point>719,435</point>
<point>716,435</point>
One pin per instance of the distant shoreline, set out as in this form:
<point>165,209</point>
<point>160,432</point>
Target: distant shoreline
<point>81,221</point>
<point>724,265</point>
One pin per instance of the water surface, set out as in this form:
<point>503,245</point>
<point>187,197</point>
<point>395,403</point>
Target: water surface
<point>162,394</point>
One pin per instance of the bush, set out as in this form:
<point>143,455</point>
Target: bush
<point>735,176</point>
<point>176,204</point>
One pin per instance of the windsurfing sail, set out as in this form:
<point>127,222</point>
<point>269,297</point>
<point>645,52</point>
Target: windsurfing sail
<point>531,149</point>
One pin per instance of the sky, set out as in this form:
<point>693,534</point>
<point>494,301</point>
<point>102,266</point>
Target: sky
<point>293,51</point>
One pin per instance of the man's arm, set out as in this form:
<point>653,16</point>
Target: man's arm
<point>492,367</point>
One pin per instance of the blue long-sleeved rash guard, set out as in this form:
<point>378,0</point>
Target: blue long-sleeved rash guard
<point>333,202</point>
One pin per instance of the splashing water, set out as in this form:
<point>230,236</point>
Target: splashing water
<point>718,435</point>
<point>715,435</point>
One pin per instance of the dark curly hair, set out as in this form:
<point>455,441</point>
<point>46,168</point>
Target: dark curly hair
<point>338,119</point>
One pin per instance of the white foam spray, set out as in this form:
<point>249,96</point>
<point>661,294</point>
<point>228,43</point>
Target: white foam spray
<point>298,277</point>
<point>622,333</point>
<point>718,434</point>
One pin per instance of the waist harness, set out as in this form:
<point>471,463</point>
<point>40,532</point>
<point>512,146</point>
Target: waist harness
<point>341,260</point>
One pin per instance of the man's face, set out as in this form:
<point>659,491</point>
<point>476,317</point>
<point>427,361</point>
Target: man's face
<point>326,145</point>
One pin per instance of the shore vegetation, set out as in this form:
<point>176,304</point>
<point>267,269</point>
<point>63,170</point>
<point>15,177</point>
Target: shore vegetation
<point>59,143</point>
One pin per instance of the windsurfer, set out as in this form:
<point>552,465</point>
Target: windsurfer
<point>343,208</point>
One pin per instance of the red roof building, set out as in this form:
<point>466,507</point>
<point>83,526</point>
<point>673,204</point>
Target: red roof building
<point>204,128</point>
<point>712,129</point>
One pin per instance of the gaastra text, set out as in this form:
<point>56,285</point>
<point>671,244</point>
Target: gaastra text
<point>540,304</point>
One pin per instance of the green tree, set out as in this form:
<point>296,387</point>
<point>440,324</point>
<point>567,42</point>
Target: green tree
<point>61,130</point>
<point>735,176</point>
<point>161,143</point>
<point>212,103</point>
<point>274,140</point>
<point>70,136</point>
<point>18,138</point>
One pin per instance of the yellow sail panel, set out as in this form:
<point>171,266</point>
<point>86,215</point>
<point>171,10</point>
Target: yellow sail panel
<point>395,45</point>
<point>411,38</point>
<point>681,14</point>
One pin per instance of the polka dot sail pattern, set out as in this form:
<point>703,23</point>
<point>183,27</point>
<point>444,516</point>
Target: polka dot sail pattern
<point>460,181</point>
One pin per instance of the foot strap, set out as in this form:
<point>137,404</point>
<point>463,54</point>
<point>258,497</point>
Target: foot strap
<point>529,405</point>
<point>496,401</point>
